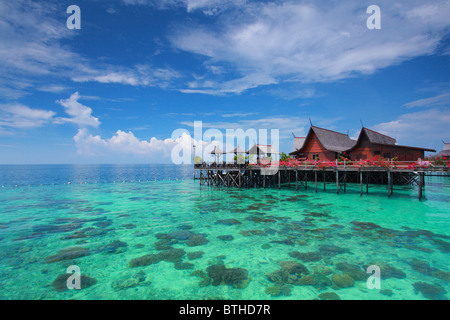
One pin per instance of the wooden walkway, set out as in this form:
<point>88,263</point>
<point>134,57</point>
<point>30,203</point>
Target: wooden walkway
<point>245,176</point>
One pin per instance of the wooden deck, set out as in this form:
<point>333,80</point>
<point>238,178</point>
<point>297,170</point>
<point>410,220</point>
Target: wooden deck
<point>248,176</point>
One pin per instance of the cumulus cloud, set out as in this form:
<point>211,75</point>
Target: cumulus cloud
<point>80,115</point>
<point>307,42</point>
<point>424,128</point>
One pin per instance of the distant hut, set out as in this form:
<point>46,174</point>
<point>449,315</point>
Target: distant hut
<point>263,150</point>
<point>445,153</point>
<point>371,143</point>
<point>322,144</point>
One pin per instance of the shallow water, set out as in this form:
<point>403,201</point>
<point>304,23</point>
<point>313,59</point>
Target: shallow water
<point>123,213</point>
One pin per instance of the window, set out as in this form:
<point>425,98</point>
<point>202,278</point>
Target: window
<point>387,155</point>
<point>315,157</point>
<point>377,153</point>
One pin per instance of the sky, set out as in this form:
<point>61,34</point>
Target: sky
<point>116,90</point>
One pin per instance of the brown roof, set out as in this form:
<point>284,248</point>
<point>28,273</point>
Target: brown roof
<point>378,138</point>
<point>298,143</point>
<point>330,140</point>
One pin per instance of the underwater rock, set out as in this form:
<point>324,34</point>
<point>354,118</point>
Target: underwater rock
<point>248,233</point>
<point>60,283</point>
<point>58,228</point>
<point>322,270</point>
<point>276,291</point>
<point>113,247</point>
<point>129,225</point>
<point>124,284</point>
<point>322,281</point>
<point>206,281</point>
<point>103,224</point>
<point>329,296</point>
<point>171,255</point>
<point>352,270</point>
<point>228,222</point>
<point>286,241</point>
<point>278,276</point>
<point>195,255</point>
<point>442,245</point>
<point>226,237</point>
<point>386,292</point>
<point>185,227</point>
<point>180,235</point>
<point>146,260</point>
<point>423,267</point>
<point>294,268</point>
<point>260,219</point>
<point>307,280</point>
<point>332,250</point>
<point>220,274</point>
<point>183,265</point>
<point>165,244</point>
<point>68,254</point>
<point>342,281</point>
<point>387,271</point>
<point>266,246</point>
<point>430,291</point>
<point>196,240</point>
<point>306,256</point>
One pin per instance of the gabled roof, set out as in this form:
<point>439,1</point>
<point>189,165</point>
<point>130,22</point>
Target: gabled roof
<point>446,147</point>
<point>330,140</point>
<point>298,143</point>
<point>378,138</point>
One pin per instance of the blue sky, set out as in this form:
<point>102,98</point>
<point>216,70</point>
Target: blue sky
<point>115,90</point>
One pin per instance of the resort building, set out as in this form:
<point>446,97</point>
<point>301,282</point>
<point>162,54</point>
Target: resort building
<point>371,143</point>
<point>445,153</point>
<point>321,144</point>
<point>326,145</point>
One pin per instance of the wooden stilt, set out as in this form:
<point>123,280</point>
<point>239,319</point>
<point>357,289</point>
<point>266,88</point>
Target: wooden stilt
<point>337,181</point>
<point>279,179</point>
<point>389,184</point>
<point>296,179</point>
<point>315,179</point>
<point>361,182</point>
<point>324,180</point>
<point>420,184</point>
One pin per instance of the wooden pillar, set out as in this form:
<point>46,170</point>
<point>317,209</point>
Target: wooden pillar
<point>296,179</point>
<point>345,181</point>
<point>324,181</point>
<point>420,184</point>
<point>289,177</point>
<point>337,181</point>
<point>240,181</point>
<point>306,180</point>
<point>367,182</point>
<point>279,179</point>
<point>315,178</point>
<point>389,184</point>
<point>361,182</point>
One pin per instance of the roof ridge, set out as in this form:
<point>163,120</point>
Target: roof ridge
<point>379,133</point>
<point>330,130</point>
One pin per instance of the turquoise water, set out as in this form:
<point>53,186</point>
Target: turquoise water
<point>160,240</point>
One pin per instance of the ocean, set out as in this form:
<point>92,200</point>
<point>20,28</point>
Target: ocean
<point>152,232</point>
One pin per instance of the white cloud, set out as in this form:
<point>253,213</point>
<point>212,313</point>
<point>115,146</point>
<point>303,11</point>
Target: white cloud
<point>80,115</point>
<point>425,128</point>
<point>274,42</point>
<point>440,100</point>
<point>21,116</point>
